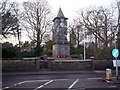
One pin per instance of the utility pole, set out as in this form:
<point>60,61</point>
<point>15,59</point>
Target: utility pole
<point>118,35</point>
<point>85,36</point>
<point>118,4</point>
<point>84,48</point>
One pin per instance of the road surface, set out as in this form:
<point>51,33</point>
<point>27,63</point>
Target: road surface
<point>57,80</point>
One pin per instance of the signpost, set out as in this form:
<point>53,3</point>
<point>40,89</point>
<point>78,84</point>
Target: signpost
<point>115,54</point>
<point>118,63</point>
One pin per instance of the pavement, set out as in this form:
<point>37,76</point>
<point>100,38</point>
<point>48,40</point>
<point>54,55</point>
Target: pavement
<point>53,72</point>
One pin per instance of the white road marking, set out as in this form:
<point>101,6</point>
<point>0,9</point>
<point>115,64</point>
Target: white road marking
<point>21,82</point>
<point>73,83</point>
<point>10,86</point>
<point>113,77</point>
<point>44,84</point>
<point>60,79</point>
<point>5,88</point>
<point>15,84</point>
<point>99,78</point>
<point>40,80</point>
<point>113,86</point>
<point>94,78</point>
<point>31,81</point>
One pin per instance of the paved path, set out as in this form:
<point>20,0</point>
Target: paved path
<point>51,72</point>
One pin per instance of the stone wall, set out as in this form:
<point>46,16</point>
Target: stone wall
<point>102,64</point>
<point>80,65</point>
<point>23,65</point>
<point>38,65</point>
<point>70,65</point>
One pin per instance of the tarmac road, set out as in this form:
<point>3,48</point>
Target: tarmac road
<point>65,80</point>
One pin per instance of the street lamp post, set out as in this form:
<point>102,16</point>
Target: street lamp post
<point>117,77</point>
<point>118,5</point>
<point>115,39</point>
<point>118,42</point>
<point>85,35</point>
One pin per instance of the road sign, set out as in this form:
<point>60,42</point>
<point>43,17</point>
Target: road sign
<point>115,53</point>
<point>116,61</point>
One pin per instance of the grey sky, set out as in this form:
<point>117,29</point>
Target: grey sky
<point>69,7</point>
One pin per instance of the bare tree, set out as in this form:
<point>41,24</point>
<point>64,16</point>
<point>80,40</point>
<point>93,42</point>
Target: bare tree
<point>10,17</point>
<point>36,19</point>
<point>76,33</point>
<point>99,22</point>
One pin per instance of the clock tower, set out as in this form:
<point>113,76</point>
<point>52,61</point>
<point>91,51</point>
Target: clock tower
<point>61,46</point>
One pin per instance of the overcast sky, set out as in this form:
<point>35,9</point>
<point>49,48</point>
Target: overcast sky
<point>70,7</point>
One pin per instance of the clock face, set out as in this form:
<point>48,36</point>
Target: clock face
<point>57,30</point>
<point>62,24</point>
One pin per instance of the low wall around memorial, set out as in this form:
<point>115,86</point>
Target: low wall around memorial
<point>38,65</point>
<point>102,64</point>
<point>23,65</point>
<point>80,64</point>
<point>70,65</point>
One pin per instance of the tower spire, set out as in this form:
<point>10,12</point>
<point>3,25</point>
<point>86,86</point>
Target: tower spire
<point>60,13</point>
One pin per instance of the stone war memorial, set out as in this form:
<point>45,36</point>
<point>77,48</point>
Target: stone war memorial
<point>61,46</point>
